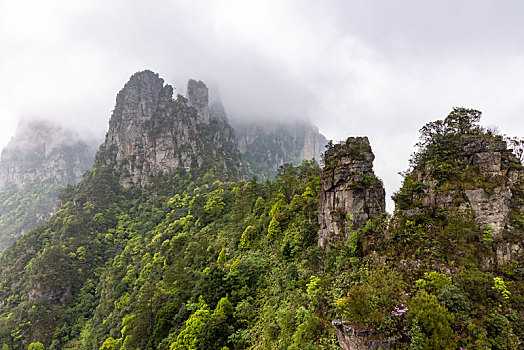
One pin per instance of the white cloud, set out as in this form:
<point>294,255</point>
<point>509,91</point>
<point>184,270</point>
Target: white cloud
<point>381,68</point>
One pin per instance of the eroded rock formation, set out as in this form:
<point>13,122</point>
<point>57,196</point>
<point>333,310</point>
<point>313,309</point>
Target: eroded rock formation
<point>485,182</point>
<point>198,97</point>
<point>45,152</point>
<point>39,161</point>
<point>351,194</point>
<point>269,144</point>
<point>354,337</point>
<point>151,133</point>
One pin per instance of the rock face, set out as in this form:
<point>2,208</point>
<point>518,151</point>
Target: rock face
<point>267,145</point>
<point>489,178</point>
<point>492,206</point>
<point>351,337</point>
<point>498,164</point>
<point>44,152</point>
<point>150,133</point>
<point>350,194</point>
<point>39,161</point>
<point>198,97</point>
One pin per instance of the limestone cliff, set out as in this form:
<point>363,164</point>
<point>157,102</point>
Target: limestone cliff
<point>358,337</point>
<point>150,133</point>
<point>39,161</point>
<point>265,146</point>
<point>350,193</point>
<point>485,179</point>
<point>45,152</point>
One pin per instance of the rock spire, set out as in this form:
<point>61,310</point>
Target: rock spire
<point>350,193</point>
<point>150,133</point>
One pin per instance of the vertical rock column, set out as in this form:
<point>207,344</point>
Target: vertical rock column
<point>198,97</point>
<point>350,194</point>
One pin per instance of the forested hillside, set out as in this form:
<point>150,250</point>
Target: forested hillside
<point>37,164</point>
<point>156,253</point>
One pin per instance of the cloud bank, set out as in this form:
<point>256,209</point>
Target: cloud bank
<point>379,68</point>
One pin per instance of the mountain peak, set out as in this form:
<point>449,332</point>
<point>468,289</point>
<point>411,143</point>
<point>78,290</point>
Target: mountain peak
<point>198,97</point>
<point>151,133</point>
<point>45,152</point>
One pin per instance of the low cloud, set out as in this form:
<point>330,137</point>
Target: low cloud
<point>379,68</point>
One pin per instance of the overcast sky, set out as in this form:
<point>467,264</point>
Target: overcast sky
<point>377,68</point>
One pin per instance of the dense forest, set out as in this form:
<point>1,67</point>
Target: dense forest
<point>196,259</point>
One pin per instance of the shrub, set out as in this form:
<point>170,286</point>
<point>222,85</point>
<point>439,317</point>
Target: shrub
<point>434,321</point>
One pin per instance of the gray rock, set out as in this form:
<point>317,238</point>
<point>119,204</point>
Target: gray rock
<point>150,133</point>
<point>487,161</point>
<point>480,143</point>
<point>47,153</point>
<point>490,197</point>
<point>490,210</point>
<point>198,97</point>
<point>506,251</point>
<point>349,188</point>
<point>354,337</point>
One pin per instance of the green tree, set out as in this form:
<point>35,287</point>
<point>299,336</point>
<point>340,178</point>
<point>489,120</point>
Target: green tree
<point>36,346</point>
<point>111,344</point>
<point>439,140</point>
<point>189,337</point>
<point>434,320</point>
<point>247,237</point>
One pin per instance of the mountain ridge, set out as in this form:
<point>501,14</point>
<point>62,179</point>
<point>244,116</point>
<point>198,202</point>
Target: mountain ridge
<point>194,258</point>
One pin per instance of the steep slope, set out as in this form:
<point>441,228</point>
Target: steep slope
<point>39,161</point>
<point>351,194</point>
<point>266,145</point>
<point>448,265</point>
<point>45,152</point>
<point>151,134</point>
<point>151,138</point>
<point>185,260</point>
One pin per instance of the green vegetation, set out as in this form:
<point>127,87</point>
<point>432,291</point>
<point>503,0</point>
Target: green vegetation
<point>185,263</point>
<point>192,262</point>
<point>439,140</point>
<point>23,209</point>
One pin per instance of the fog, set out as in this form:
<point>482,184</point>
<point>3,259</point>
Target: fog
<point>377,68</point>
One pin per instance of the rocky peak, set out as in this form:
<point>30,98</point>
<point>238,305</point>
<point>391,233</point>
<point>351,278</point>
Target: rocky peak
<point>269,144</point>
<point>492,205</point>
<point>150,133</point>
<point>45,152</point>
<point>39,161</point>
<point>198,97</point>
<point>484,179</point>
<point>490,154</point>
<point>140,96</point>
<point>350,194</point>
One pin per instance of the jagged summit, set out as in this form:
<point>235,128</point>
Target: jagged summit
<point>45,152</point>
<point>39,161</point>
<point>151,133</point>
<point>350,192</point>
<point>467,172</point>
<point>140,96</point>
<point>198,97</point>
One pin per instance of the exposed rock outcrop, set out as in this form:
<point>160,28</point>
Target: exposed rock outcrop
<point>352,337</point>
<point>150,133</point>
<point>350,194</point>
<point>39,161</point>
<point>484,182</point>
<point>268,145</point>
<point>198,97</point>
<point>45,152</point>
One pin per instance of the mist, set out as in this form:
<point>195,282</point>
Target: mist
<point>381,69</point>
